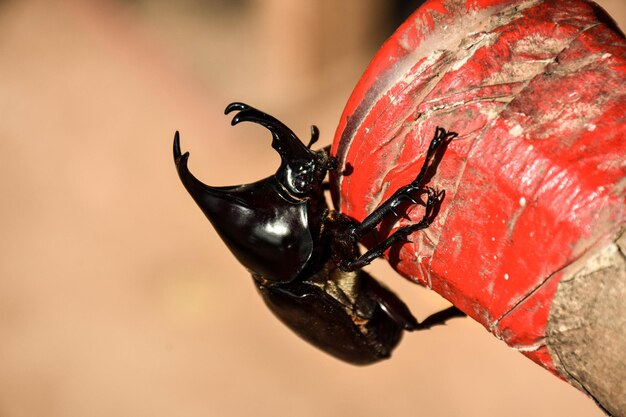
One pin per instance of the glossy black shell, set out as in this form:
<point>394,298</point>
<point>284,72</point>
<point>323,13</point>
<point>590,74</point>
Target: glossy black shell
<point>325,323</point>
<point>304,258</point>
<point>270,233</point>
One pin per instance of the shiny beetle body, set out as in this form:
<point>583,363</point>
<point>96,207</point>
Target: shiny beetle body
<point>304,257</point>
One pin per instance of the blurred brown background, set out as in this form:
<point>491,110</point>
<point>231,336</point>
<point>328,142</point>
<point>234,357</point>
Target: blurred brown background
<point>116,296</point>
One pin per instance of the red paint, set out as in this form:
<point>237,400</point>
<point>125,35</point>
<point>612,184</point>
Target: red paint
<point>536,178</point>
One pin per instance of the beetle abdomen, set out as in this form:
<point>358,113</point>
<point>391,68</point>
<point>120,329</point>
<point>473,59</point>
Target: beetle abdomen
<point>326,323</point>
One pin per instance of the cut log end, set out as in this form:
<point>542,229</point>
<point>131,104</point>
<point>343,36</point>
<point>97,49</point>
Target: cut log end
<point>586,332</point>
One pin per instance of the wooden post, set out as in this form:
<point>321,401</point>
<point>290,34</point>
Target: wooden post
<point>529,240</point>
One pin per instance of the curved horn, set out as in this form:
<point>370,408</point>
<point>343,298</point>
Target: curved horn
<point>285,141</point>
<point>196,188</point>
<point>211,200</point>
<point>267,233</point>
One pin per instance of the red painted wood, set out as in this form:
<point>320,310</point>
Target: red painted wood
<point>536,178</point>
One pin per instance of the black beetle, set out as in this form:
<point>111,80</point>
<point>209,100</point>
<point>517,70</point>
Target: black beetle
<point>303,256</point>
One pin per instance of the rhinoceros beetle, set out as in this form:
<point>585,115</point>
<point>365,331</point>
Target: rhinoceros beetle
<point>304,257</point>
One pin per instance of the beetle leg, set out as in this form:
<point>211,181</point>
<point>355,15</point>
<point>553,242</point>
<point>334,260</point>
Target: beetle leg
<point>389,303</point>
<point>437,145</point>
<point>400,235</point>
<point>439,318</point>
<point>400,313</point>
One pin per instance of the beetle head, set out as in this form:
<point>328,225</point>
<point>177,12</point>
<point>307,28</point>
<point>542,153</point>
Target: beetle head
<point>270,225</point>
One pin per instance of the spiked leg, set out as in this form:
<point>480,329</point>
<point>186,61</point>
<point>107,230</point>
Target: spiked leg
<point>439,318</point>
<point>358,231</point>
<point>441,138</point>
<point>400,235</point>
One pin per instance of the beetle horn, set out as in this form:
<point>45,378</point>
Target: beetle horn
<point>217,203</point>
<point>286,143</point>
<point>195,187</point>
<point>207,197</point>
<point>254,220</point>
